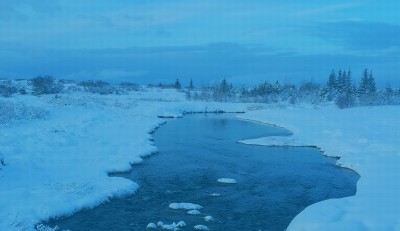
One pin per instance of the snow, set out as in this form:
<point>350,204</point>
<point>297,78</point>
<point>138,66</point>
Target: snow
<point>188,206</point>
<point>151,226</point>
<point>227,180</point>
<point>367,140</point>
<point>59,151</point>
<point>201,227</point>
<point>208,218</point>
<point>193,212</point>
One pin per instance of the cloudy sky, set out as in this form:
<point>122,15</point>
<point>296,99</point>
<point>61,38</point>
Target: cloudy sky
<point>159,41</point>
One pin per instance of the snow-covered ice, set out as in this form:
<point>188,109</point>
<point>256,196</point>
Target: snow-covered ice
<point>201,227</point>
<point>208,218</point>
<point>227,180</point>
<point>193,212</point>
<point>151,226</point>
<point>188,206</point>
<point>367,140</point>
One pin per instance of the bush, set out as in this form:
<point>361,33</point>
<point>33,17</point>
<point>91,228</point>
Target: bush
<point>130,86</point>
<point>43,85</point>
<point>99,87</point>
<point>345,101</point>
<point>7,91</point>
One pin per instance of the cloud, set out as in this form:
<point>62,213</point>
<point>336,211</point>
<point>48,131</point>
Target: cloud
<point>360,35</point>
<point>324,9</point>
<point>204,64</point>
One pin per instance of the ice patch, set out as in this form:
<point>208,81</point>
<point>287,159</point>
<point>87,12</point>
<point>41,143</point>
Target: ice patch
<point>227,181</point>
<point>174,226</point>
<point>215,194</point>
<point>151,226</point>
<point>188,206</point>
<point>194,212</point>
<point>201,227</point>
<point>208,218</point>
<point>160,223</point>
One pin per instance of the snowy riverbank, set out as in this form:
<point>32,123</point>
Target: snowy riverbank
<point>59,162</point>
<point>57,152</point>
<point>367,140</point>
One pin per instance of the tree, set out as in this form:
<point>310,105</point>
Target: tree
<point>367,84</point>
<point>332,81</point>
<point>177,84</point>
<point>222,91</point>
<point>191,87</point>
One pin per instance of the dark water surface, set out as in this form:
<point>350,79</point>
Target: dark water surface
<point>274,184</point>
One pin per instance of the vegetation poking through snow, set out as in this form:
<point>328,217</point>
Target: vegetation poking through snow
<point>340,88</point>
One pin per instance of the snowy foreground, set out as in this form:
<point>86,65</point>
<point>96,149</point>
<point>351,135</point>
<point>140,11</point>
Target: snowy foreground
<point>368,141</point>
<point>57,152</point>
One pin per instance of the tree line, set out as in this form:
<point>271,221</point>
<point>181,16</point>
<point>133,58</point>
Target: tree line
<point>340,87</point>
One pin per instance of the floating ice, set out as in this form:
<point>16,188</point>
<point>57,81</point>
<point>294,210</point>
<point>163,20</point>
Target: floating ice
<point>194,212</point>
<point>201,227</point>
<point>160,223</point>
<point>215,194</point>
<point>151,226</point>
<point>188,206</point>
<point>208,218</point>
<point>181,224</point>
<point>227,180</point>
<point>172,226</point>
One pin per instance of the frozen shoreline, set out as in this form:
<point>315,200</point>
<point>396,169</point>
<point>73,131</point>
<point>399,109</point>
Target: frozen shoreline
<point>60,164</point>
<point>67,155</point>
<point>366,140</point>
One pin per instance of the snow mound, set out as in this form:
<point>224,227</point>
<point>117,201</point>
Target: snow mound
<point>227,180</point>
<point>201,227</point>
<point>194,212</point>
<point>188,206</point>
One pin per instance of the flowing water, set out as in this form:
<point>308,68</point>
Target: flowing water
<point>273,184</point>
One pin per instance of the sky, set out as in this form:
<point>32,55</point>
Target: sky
<point>246,42</point>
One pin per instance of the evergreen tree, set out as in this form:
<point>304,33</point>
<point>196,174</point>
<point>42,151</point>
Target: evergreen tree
<point>363,88</point>
<point>177,84</point>
<point>191,87</point>
<point>341,81</point>
<point>371,83</point>
<point>332,81</point>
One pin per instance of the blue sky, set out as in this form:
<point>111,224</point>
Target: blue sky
<point>159,41</point>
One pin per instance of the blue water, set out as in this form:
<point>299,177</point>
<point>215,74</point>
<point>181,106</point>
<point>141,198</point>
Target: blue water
<point>274,184</point>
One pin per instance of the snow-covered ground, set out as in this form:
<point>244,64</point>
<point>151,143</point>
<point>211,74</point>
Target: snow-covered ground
<point>57,152</point>
<point>368,140</point>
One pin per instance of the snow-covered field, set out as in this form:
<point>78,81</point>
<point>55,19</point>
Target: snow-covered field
<point>57,152</point>
<point>368,140</point>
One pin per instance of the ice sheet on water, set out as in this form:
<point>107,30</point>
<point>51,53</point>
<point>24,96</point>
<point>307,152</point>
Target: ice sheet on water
<point>227,180</point>
<point>188,206</point>
<point>194,212</point>
<point>201,227</point>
